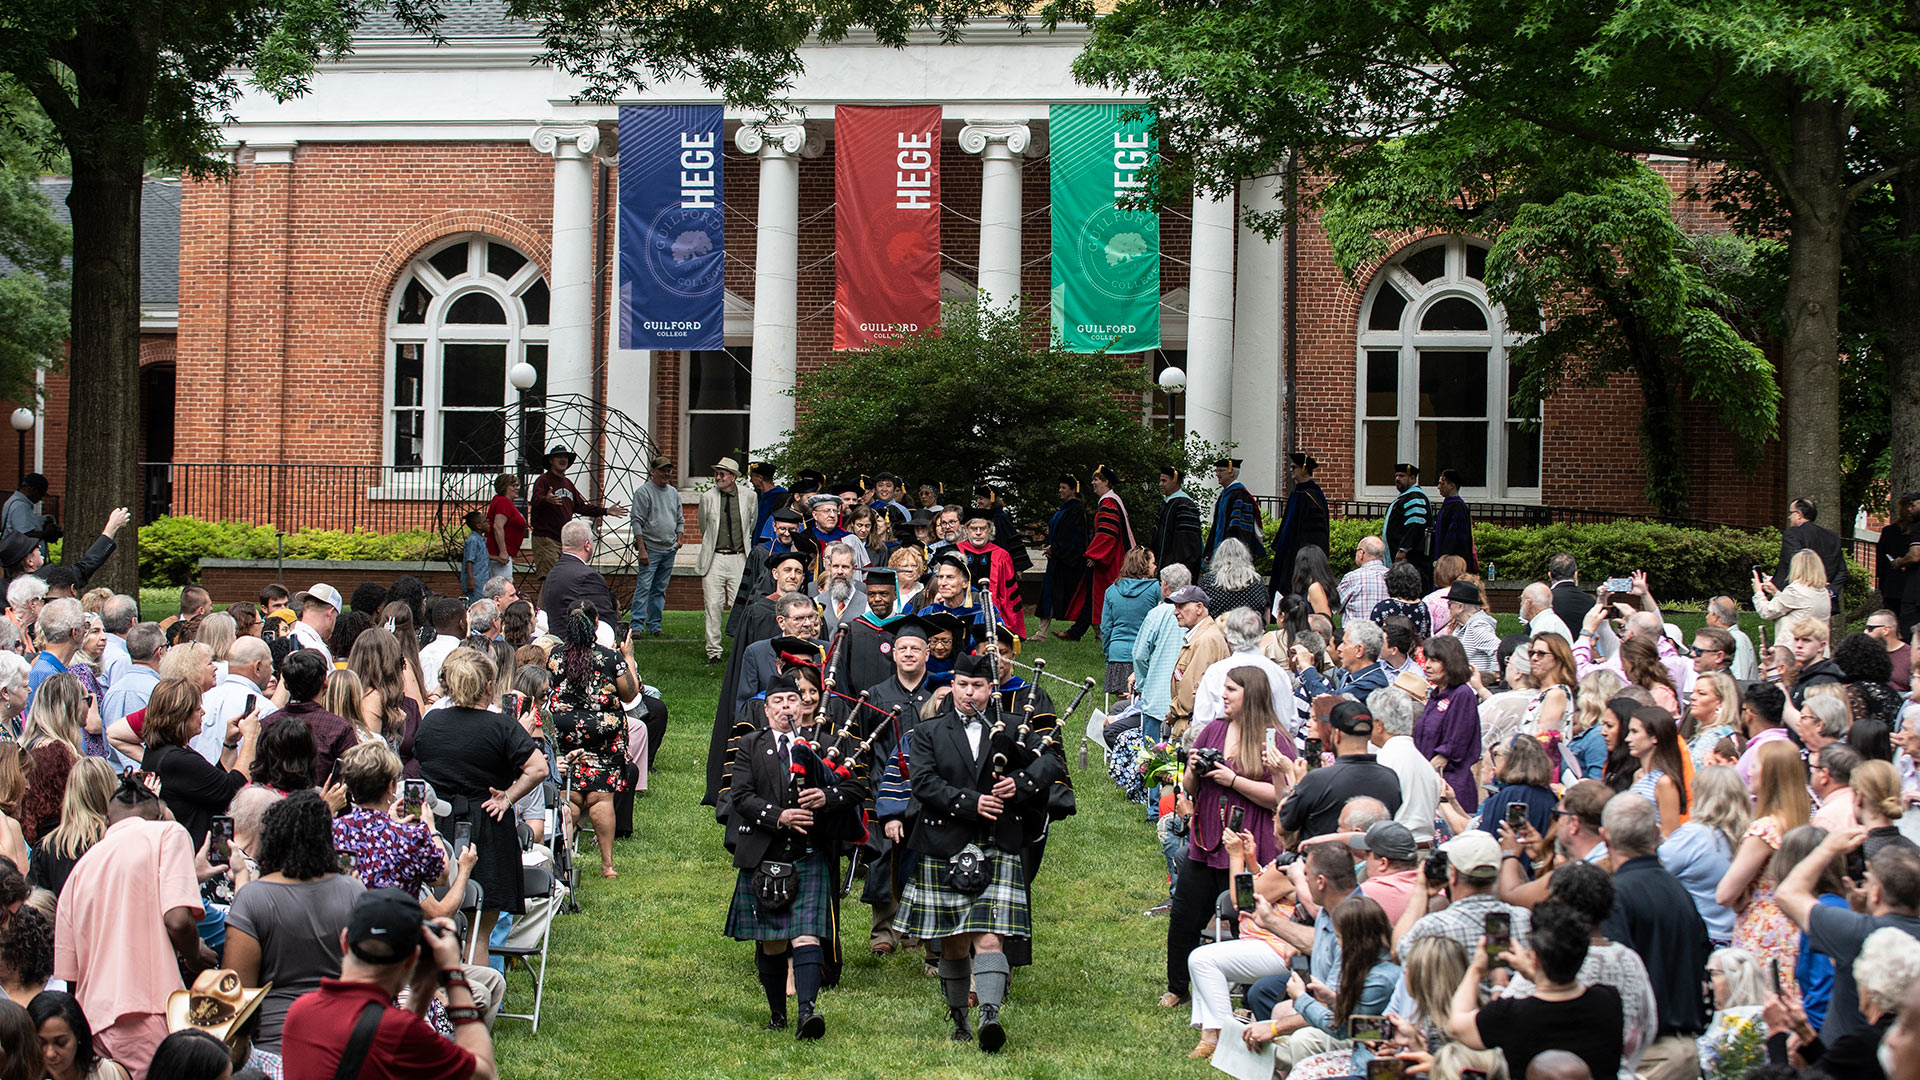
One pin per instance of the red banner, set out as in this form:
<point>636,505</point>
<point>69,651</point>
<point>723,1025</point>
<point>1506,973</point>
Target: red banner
<point>886,233</point>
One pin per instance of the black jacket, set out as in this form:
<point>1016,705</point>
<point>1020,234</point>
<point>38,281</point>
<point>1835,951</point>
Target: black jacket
<point>1571,603</point>
<point>948,780</point>
<point>762,788</point>
<point>1822,542</point>
<point>1654,916</point>
<point>570,580</point>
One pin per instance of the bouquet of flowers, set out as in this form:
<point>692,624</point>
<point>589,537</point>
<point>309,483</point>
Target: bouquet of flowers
<point>1160,764</point>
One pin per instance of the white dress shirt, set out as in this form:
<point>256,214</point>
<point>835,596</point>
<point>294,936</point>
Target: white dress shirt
<point>433,654</point>
<point>1208,700</point>
<point>227,700</point>
<point>1419,785</point>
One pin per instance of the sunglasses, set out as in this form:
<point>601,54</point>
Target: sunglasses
<point>1538,654</point>
<point>1697,650</point>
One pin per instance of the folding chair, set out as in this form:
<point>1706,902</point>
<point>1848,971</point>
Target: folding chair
<point>537,885</point>
<point>563,864</point>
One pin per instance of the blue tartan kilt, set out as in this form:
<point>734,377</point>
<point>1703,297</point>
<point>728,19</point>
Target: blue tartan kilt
<point>931,908</point>
<point>809,915</point>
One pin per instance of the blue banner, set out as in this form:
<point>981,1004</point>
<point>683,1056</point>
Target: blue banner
<point>672,247</point>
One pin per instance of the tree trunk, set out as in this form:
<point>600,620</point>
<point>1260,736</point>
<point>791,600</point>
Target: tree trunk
<point>1900,333</point>
<point>1811,368</point>
<point>103,420</point>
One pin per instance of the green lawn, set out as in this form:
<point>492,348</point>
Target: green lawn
<point>642,982</point>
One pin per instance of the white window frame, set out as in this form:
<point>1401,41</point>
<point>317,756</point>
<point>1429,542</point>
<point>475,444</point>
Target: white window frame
<point>432,334</point>
<point>737,333</point>
<point>1407,341</point>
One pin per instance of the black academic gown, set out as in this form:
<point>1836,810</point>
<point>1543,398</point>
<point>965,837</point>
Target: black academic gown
<point>1005,535</point>
<point>756,624</point>
<point>889,865</point>
<point>1177,535</point>
<point>1409,528</point>
<point>866,658</point>
<point>1066,558</point>
<point>1306,522</point>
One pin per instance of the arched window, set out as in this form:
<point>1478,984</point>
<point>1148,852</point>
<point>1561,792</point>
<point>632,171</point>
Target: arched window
<point>463,315</point>
<point>1433,378</point>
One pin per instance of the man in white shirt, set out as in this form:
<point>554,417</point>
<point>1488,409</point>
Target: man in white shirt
<point>249,675</point>
<point>449,617</point>
<point>1724,612</point>
<point>1242,628</point>
<point>117,616</point>
<point>1392,737</point>
<point>1536,610</point>
<point>319,607</point>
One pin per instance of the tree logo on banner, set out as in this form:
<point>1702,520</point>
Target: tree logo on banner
<point>678,258</point>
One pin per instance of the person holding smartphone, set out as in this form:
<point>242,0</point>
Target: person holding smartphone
<point>1368,975</point>
<point>1560,1015</point>
<point>391,840</point>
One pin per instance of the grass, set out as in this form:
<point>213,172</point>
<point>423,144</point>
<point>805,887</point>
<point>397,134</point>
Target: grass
<point>643,982</point>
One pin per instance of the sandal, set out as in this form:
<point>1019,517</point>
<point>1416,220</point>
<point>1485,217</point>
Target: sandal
<point>1170,999</point>
<point>1206,1047</point>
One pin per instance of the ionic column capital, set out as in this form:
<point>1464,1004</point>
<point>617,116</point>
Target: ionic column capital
<point>978,135</point>
<point>779,140</point>
<point>566,140</point>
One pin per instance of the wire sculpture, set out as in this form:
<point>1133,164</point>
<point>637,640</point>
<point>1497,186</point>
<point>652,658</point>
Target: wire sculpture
<point>612,452</point>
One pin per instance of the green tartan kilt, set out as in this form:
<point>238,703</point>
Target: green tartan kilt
<point>931,908</point>
<point>809,915</point>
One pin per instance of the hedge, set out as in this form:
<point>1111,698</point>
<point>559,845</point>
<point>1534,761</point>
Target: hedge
<point>172,547</point>
<point>1681,564</point>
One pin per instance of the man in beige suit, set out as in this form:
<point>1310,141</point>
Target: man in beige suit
<point>726,533</point>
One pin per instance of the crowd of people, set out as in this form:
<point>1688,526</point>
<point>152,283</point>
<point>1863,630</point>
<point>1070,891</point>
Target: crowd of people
<point>281,838</point>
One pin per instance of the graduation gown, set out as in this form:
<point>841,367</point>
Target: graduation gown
<point>1004,582</point>
<point>1176,533</point>
<point>1066,558</point>
<point>1407,528</point>
<point>866,658</point>
<point>1112,539</point>
<point>756,580</point>
<point>1307,523</point>
<point>756,624</point>
<point>1008,538</point>
<point>1235,514</point>
<point>1454,533</point>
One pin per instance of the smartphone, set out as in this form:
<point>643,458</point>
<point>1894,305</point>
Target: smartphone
<point>462,836</point>
<point>1243,891</point>
<point>1619,585</point>
<point>1437,867</point>
<point>1499,936</point>
<point>1236,817</point>
<point>1312,752</point>
<point>1302,966</point>
<point>1393,1068</point>
<point>413,795</point>
<point>333,774</point>
<point>220,840</point>
<point>252,700</point>
<point>1773,972</point>
<point>510,703</point>
<point>1516,817</point>
<point>1758,570</point>
<point>1366,1028</point>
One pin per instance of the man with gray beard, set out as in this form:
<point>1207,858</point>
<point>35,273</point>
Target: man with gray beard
<point>840,601</point>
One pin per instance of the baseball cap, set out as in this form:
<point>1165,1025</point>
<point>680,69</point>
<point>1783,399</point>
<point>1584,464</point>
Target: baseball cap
<point>384,926</point>
<point>1475,854</point>
<point>324,593</point>
<point>1387,839</point>
<point>1352,718</point>
<point>1189,594</point>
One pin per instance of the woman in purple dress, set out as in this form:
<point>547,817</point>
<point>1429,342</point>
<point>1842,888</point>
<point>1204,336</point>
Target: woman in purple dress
<point>1448,732</point>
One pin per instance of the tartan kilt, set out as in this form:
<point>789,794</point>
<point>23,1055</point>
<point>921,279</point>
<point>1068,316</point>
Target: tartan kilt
<point>809,915</point>
<point>931,908</point>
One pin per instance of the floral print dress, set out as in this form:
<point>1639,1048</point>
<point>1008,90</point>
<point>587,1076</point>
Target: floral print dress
<point>588,715</point>
<point>1764,930</point>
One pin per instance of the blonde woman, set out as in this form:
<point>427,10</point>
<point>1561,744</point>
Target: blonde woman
<point>1700,851</point>
<point>50,739</point>
<point>191,661</point>
<point>1805,594</point>
<point>911,565</point>
<point>1877,803</point>
<point>1781,805</point>
<point>1739,990</point>
<point>1588,746</point>
<point>83,821</point>
<point>1714,708</point>
<point>218,632</point>
<point>345,696</point>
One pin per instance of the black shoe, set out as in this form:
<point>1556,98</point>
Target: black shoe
<point>992,1035</point>
<point>962,1033</point>
<point>812,1025</point>
<point>712,660</point>
<point>778,1023</point>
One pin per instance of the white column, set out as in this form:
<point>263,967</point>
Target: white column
<point>776,276</point>
<point>1259,362</point>
<point>1210,322</point>
<point>1000,144</point>
<point>570,278</point>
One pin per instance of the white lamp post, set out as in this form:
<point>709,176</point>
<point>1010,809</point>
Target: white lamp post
<point>23,423</point>
<point>522,375</point>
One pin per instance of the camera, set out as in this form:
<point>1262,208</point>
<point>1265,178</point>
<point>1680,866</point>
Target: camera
<point>1210,758</point>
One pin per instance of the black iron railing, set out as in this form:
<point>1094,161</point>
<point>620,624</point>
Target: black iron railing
<point>1508,514</point>
<point>375,498</point>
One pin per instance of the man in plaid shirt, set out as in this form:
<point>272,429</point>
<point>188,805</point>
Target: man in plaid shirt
<point>1473,875</point>
<point>1365,585</point>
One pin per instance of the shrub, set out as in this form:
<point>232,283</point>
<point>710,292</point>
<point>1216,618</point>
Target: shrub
<point>172,547</point>
<point>1681,564</point>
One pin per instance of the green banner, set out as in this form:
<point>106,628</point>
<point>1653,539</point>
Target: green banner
<point>1106,260</point>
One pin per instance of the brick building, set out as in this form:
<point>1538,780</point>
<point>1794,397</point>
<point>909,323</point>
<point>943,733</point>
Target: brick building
<point>394,242</point>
